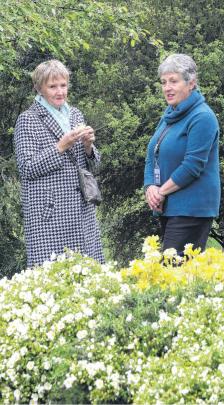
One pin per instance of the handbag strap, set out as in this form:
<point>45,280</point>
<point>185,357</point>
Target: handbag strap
<point>72,158</point>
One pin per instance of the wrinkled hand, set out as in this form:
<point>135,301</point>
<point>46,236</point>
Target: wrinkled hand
<point>88,137</point>
<point>70,138</point>
<point>154,199</point>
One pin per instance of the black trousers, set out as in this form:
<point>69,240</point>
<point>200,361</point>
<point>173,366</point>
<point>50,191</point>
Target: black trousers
<point>176,232</point>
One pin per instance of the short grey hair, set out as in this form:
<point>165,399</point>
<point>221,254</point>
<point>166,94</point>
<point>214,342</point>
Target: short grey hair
<point>50,69</point>
<point>179,63</point>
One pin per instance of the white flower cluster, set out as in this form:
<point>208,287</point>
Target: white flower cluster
<point>76,329</point>
<point>46,310</point>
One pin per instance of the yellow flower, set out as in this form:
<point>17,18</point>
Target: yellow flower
<point>137,267</point>
<point>208,265</point>
<point>125,273</point>
<point>151,243</point>
<point>189,251</point>
<point>142,284</point>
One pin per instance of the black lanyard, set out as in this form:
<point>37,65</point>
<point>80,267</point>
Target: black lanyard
<point>157,180</point>
<point>159,141</point>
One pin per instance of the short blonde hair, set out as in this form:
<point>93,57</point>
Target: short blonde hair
<point>50,69</point>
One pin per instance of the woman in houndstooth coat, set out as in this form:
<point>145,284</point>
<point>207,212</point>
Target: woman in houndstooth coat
<point>55,213</point>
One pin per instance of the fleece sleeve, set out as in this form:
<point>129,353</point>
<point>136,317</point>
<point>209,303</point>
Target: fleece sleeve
<point>149,162</point>
<point>202,133</point>
<point>149,169</point>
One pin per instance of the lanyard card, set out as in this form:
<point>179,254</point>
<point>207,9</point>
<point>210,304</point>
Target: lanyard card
<point>157,181</point>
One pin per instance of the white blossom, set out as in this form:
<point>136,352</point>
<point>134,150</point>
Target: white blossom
<point>47,365</point>
<point>92,324</point>
<point>115,380</point>
<point>155,325</point>
<point>87,311</point>
<point>53,256</point>
<point>221,368</point>
<point>219,287</point>
<point>47,265</point>
<point>47,386</point>
<point>112,340</point>
<point>23,351</point>
<point>30,365</point>
<point>17,395</point>
<point>184,391</point>
<point>174,370</point>
<point>26,296</point>
<point>99,384</point>
<point>129,318</point>
<point>116,299</point>
<point>34,400</point>
<point>13,359</point>
<point>17,327</point>
<point>78,316</point>
<point>69,381</point>
<point>169,253</point>
<point>81,334</point>
<point>62,340</point>
<point>50,335</point>
<point>163,316</point>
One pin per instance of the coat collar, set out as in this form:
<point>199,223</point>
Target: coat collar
<point>52,125</point>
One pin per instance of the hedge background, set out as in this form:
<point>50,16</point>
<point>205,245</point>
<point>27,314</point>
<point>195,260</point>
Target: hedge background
<point>113,49</point>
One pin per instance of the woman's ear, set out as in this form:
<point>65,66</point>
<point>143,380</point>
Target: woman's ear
<point>192,84</point>
<point>37,90</point>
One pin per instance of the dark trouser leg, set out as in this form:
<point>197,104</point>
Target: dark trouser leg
<point>178,231</point>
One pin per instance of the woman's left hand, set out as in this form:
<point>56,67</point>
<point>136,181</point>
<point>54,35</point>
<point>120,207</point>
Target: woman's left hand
<point>154,199</point>
<point>88,137</point>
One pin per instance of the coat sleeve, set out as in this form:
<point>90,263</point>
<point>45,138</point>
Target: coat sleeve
<point>93,161</point>
<point>203,133</point>
<point>32,159</point>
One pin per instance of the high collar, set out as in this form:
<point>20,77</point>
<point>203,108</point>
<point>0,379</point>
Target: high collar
<point>62,116</point>
<point>172,115</point>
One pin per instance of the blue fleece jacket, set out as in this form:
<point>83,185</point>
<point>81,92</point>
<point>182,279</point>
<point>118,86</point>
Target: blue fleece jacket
<point>189,156</point>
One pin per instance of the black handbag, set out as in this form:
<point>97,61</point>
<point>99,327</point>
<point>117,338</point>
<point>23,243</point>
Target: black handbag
<point>89,186</point>
<point>88,183</point>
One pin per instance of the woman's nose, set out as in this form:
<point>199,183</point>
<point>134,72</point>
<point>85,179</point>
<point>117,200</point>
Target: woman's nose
<point>60,90</point>
<point>167,86</point>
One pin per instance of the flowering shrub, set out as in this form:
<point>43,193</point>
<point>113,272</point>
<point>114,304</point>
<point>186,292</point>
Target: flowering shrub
<point>171,270</point>
<point>192,370</point>
<point>75,331</point>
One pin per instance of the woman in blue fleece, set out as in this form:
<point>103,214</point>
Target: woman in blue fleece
<point>181,180</point>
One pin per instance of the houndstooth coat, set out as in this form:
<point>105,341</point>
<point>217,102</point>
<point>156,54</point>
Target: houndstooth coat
<point>55,214</point>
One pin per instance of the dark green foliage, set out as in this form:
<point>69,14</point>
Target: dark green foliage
<point>113,50</point>
<point>12,255</point>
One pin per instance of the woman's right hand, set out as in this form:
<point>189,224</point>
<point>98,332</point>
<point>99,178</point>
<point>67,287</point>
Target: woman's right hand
<point>70,138</point>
